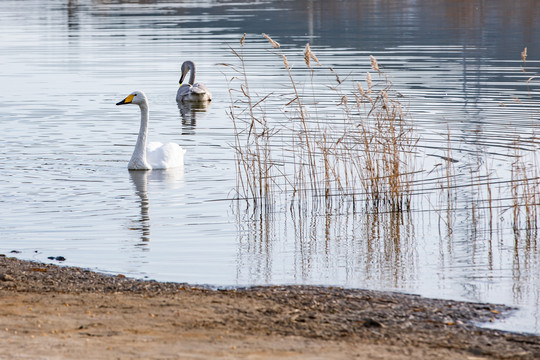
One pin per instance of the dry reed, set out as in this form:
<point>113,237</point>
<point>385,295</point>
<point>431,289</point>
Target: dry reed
<point>367,153</point>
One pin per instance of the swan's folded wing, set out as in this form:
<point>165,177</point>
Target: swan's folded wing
<point>200,89</point>
<point>166,156</point>
<point>153,145</point>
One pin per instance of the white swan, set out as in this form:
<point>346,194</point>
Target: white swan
<point>191,91</point>
<point>156,155</point>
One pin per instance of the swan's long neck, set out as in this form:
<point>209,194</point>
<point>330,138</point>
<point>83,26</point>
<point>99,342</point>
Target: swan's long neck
<point>191,73</point>
<point>138,159</point>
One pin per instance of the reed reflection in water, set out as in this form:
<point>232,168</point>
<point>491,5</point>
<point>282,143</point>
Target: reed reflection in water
<point>333,241</point>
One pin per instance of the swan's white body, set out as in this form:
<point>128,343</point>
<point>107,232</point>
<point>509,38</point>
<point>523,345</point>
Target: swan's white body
<point>193,92</point>
<point>156,155</point>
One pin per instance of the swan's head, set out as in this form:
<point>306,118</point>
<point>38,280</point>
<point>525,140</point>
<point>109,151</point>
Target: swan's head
<point>186,67</point>
<point>136,97</point>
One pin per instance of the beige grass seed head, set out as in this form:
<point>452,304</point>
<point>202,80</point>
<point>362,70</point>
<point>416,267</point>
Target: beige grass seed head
<point>275,44</point>
<point>309,55</point>
<point>374,64</point>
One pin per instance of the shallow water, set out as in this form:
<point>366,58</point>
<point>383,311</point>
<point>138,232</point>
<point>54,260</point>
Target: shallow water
<point>65,189</point>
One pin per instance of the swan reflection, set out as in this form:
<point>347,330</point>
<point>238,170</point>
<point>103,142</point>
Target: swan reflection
<point>189,111</point>
<point>165,179</point>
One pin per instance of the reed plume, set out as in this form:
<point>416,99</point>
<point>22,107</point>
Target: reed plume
<point>274,44</point>
<point>374,64</point>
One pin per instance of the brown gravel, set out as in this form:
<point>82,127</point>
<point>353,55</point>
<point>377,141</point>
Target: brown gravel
<point>51,312</point>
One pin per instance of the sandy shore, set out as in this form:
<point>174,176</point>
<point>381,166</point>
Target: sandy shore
<point>51,312</point>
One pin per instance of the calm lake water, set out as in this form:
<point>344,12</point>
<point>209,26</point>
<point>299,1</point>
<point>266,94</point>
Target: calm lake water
<point>65,189</point>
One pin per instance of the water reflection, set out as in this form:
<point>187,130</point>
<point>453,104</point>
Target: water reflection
<point>73,14</point>
<point>334,240</point>
<point>189,111</point>
<point>140,180</point>
<point>171,178</point>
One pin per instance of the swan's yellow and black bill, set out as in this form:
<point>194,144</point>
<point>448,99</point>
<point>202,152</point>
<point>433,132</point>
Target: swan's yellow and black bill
<point>127,100</point>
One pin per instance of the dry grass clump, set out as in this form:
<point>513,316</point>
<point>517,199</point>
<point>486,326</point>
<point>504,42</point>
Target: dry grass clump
<point>357,143</point>
<point>525,191</point>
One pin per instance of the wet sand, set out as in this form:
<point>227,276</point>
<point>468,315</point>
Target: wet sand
<point>52,312</point>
